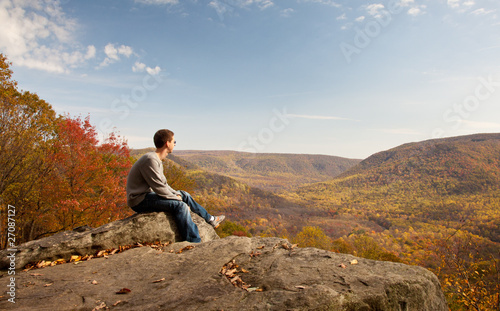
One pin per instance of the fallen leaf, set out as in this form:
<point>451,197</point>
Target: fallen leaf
<point>75,258</point>
<point>123,291</point>
<point>231,272</point>
<point>94,282</point>
<point>116,303</point>
<point>255,254</point>
<point>36,274</point>
<point>47,285</point>
<point>261,247</point>
<point>185,249</point>
<point>244,270</point>
<point>354,262</point>
<point>113,251</point>
<point>342,266</point>
<point>100,307</point>
<point>160,280</point>
<point>300,287</point>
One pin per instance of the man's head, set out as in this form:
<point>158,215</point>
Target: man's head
<point>162,137</point>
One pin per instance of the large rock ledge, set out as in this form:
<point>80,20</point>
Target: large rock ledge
<point>145,228</point>
<point>279,277</point>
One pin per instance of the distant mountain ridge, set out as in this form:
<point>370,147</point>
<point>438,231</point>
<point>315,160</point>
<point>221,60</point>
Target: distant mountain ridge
<point>461,164</point>
<point>269,171</point>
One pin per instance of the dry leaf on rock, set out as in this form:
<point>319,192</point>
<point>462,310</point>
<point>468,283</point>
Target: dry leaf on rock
<point>94,282</point>
<point>102,306</point>
<point>255,254</point>
<point>123,291</point>
<point>354,262</point>
<point>75,258</point>
<point>160,280</point>
<point>185,249</point>
<point>342,266</point>
<point>230,271</point>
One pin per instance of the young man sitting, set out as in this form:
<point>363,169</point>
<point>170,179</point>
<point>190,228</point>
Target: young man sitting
<point>148,190</point>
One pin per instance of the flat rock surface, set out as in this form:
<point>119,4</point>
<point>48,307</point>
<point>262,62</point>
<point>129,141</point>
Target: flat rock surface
<point>234,273</point>
<point>143,228</point>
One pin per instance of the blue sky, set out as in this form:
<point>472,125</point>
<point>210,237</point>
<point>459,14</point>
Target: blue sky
<point>344,78</point>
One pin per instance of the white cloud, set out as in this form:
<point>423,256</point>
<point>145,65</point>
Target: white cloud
<point>482,11</point>
<point>138,67</point>
<point>38,35</point>
<point>342,17</point>
<point>287,12</point>
<point>90,52</point>
<point>360,19</point>
<point>264,4</point>
<point>375,9</point>
<point>227,7</point>
<point>325,2</point>
<point>417,10</point>
<point>113,53</point>
<point>153,71</point>
<point>461,5</point>
<point>141,67</point>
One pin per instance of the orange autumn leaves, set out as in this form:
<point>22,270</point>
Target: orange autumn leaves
<point>54,169</point>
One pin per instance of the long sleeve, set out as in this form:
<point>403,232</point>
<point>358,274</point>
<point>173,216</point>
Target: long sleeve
<point>146,176</point>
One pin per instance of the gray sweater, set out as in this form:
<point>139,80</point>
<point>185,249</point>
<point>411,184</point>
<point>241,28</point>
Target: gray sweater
<point>145,176</point>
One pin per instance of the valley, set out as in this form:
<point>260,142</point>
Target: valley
<point>434,203</point>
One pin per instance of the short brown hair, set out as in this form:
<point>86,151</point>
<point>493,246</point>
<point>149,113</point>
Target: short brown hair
<point>162,137</point>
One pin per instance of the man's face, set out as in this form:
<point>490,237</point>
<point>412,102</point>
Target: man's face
<point>171,145</point>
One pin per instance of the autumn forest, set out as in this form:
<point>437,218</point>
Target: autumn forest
<point>434,203</point>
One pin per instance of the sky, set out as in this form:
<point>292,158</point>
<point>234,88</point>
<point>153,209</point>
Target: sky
<point>344,78</point>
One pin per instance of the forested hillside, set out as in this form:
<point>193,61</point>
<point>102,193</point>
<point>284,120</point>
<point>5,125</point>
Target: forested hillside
<point>270,171</point>
<point>434,203</point>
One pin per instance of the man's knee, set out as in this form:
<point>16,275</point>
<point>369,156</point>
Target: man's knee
<point>183,209</point>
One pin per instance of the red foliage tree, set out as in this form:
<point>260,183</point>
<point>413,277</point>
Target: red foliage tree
<point>87,183</point>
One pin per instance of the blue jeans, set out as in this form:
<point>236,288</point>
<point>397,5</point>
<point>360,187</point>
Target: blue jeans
<point>179,209</point>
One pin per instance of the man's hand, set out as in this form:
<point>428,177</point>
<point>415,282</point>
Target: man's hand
<point>180,197</point>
